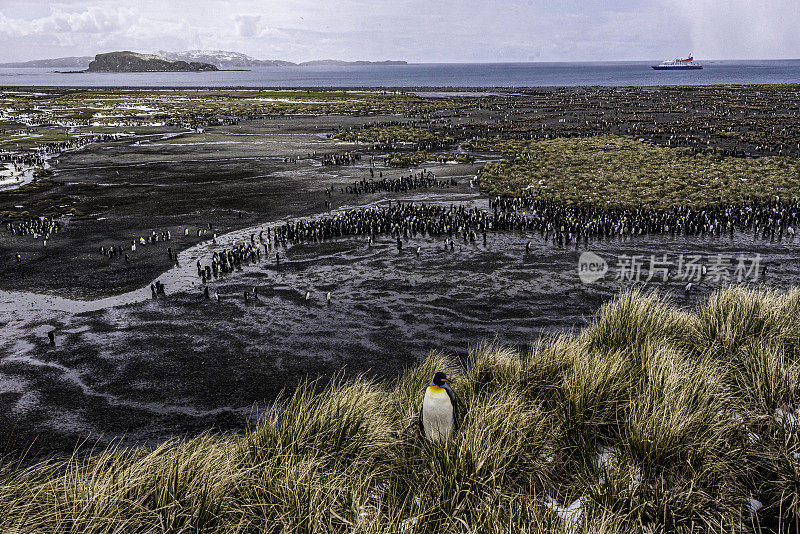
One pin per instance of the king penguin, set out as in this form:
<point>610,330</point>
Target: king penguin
<point>438,417</point>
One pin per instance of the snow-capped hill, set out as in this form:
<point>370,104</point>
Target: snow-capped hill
<point>225,60</point>
<point>221,58</point>
<point>218,55</point>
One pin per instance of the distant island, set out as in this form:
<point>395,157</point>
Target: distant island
<point>146,62</point>
<point>133,62</point>
<point>223,59</point>
<point>80,62</point>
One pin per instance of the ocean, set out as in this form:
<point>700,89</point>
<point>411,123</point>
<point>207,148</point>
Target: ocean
<point>428,75</point>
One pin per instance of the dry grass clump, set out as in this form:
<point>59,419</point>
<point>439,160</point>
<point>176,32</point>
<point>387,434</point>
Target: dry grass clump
<point>651,419</point>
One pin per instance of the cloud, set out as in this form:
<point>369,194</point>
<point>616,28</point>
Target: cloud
<point>247,25</point>
<point>754,29</point>
<point>6,27</point>
<point>91,21</point>
<point>414,30</point>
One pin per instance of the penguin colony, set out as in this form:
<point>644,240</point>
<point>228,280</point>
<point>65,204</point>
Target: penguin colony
<point>348,158</point>
<point>558,224</point>
<point>725,120</point>
<point>21,160</point>
<point>43,227</point>
<point>728,121</point>
<point>415,181</point>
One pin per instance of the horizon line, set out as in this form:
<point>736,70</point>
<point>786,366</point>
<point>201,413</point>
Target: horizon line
<point>451,62</point>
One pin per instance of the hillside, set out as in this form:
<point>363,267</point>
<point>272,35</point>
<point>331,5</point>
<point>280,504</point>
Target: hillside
<point>134,62</point>
<point>79,62</point>
<point>190,60</point>
<point>226,59</point>
<point>651,419</point>
<point>223,59</point>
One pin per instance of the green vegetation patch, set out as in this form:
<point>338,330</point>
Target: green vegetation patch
<point>412,159</point>
<point>32,138</point>
<point>622,172</point>
<point>177,107</point>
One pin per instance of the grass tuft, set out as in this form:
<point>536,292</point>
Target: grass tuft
<point>652,419</point>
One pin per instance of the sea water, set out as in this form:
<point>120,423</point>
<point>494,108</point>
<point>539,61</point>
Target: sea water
<point>428,75</point>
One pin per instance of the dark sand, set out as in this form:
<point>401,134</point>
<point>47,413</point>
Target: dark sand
<point>149,369</point>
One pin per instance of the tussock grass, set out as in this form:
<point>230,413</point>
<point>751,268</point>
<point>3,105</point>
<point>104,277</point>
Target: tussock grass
<point>651,419</point>
<point>621,172</point>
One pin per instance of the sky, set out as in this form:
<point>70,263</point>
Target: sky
<point>411,30</point>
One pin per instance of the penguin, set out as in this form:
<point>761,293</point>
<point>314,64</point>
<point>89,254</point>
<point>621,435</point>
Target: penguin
<point>419,249</point>
<point>438,416</point>
<point>328,298</point>
<point>308,296</point>
<point>52,337</point>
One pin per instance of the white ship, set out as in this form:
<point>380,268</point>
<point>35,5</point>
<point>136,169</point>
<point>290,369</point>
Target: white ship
<point>682,63</point>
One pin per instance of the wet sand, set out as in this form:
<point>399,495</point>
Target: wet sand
<point>140,370</point>
<point>143,370</point>
<point>129,188</point>
<point>232,177</point>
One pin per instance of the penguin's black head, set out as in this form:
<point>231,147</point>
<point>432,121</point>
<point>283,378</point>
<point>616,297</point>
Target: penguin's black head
<point>439,379</point>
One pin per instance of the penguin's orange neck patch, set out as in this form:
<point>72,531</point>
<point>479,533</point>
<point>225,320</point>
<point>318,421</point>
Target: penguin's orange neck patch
<point>435,389</point>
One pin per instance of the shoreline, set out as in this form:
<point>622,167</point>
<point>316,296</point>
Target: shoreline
<point>502,89</point>
<point>13,180</point>
<point>145,71</point>
<point>183,276</point>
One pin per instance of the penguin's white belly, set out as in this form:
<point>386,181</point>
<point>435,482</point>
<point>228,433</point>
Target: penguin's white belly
<point>437,414</point>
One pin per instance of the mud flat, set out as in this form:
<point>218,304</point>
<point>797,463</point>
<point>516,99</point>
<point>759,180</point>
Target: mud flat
<point>143,370</point>
<point>235,177</point>
<point>130,368</point>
